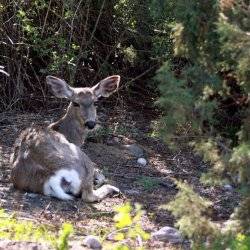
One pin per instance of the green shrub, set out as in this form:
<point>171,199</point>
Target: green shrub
<point>128,228</point>
<point>22,230</point>
<point>205,100</point>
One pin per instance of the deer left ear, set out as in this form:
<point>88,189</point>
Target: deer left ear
<point>107,86</point>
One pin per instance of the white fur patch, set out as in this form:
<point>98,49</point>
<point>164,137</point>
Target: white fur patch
<point>52,187</point>
<point>25,154</point>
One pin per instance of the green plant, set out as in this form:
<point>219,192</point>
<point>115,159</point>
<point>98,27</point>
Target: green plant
<point>189,209</point>
<point>205,99</point>
<point>22,230</point>
<point>148,183</point>
<point>99,134</point>
<point>128,228</point>
<point>64,233</point>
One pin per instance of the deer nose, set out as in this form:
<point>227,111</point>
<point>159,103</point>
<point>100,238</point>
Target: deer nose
<point>90,124</point>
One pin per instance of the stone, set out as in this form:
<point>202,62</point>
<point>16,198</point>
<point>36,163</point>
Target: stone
<point>142,161</point>
<point>134,150</point>
<point>228,187</point>
<point>92,242</point>
<point>168,234</point>
<point>113,141</point>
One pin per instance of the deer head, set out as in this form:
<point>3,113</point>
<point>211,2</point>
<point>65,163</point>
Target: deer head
<point>83,99</point>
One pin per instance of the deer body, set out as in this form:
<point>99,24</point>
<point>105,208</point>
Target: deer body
<point>49,160</point>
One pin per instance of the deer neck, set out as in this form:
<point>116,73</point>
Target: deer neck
<point>71,125</point>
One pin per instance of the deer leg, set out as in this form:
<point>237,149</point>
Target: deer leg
<point>105,190</point>
<point>90,195</point>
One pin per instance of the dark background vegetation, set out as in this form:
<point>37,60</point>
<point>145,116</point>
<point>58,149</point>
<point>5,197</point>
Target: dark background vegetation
<point>80,41</point>
<point>191,56</point>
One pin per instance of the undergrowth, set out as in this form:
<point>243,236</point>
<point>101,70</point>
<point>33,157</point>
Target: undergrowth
<point>21,230</point>
<point>126,233</point>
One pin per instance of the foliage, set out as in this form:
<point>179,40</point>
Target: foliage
<point>128,228</point>
<point>192,213</point>
<point>205,98</point>
<point>189,209</point>
<point>14,229</point>
<point>80,41</point>
<point>148,183</point>
<point>64,233</point>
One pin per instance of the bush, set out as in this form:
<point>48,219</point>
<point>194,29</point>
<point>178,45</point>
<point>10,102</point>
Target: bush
<point>80,41</point>
<point>206,99</point>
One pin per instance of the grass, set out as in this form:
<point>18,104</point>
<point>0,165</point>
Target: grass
<point>99,134</point>
<point>148,183</point>
<point>102,133</point>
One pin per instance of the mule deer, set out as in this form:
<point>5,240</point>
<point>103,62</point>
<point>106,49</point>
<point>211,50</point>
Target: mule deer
<point>49,160</point>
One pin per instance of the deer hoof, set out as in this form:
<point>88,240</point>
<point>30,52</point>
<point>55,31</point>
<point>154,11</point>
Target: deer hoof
<point>113,189</point>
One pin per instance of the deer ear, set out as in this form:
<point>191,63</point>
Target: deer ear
<point>59,87</point>
<point>107,86</point>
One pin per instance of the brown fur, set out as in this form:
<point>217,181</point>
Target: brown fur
<point>40,152</point>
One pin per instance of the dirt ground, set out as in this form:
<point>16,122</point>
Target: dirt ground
<point>123,126</point>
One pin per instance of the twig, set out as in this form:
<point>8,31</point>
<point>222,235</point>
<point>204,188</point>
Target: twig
<point>72,21</point>
<point>45,19</point>
<point>139,76</point>
<point>3,71</point>
<point>96,23</point>
<point>108,237</point>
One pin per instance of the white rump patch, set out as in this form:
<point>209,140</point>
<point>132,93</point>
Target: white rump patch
<point>52,187</point>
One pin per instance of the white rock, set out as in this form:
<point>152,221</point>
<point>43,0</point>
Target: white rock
<point>142,161</point>
<point>168,234</point>
<point>228,187</point>
<point>92,242</point>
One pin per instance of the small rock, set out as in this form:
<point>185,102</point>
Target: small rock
<point>31,195</point>
<point>168,234</point>
<point>142,161</point>
<point>228,187</point>
<point>113,141</point>
<point>92,242</point>
<point>135,150</point>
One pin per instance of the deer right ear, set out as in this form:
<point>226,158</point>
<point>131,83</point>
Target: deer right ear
<point>59,87</point>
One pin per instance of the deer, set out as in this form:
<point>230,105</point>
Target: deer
<point>48,160</point>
